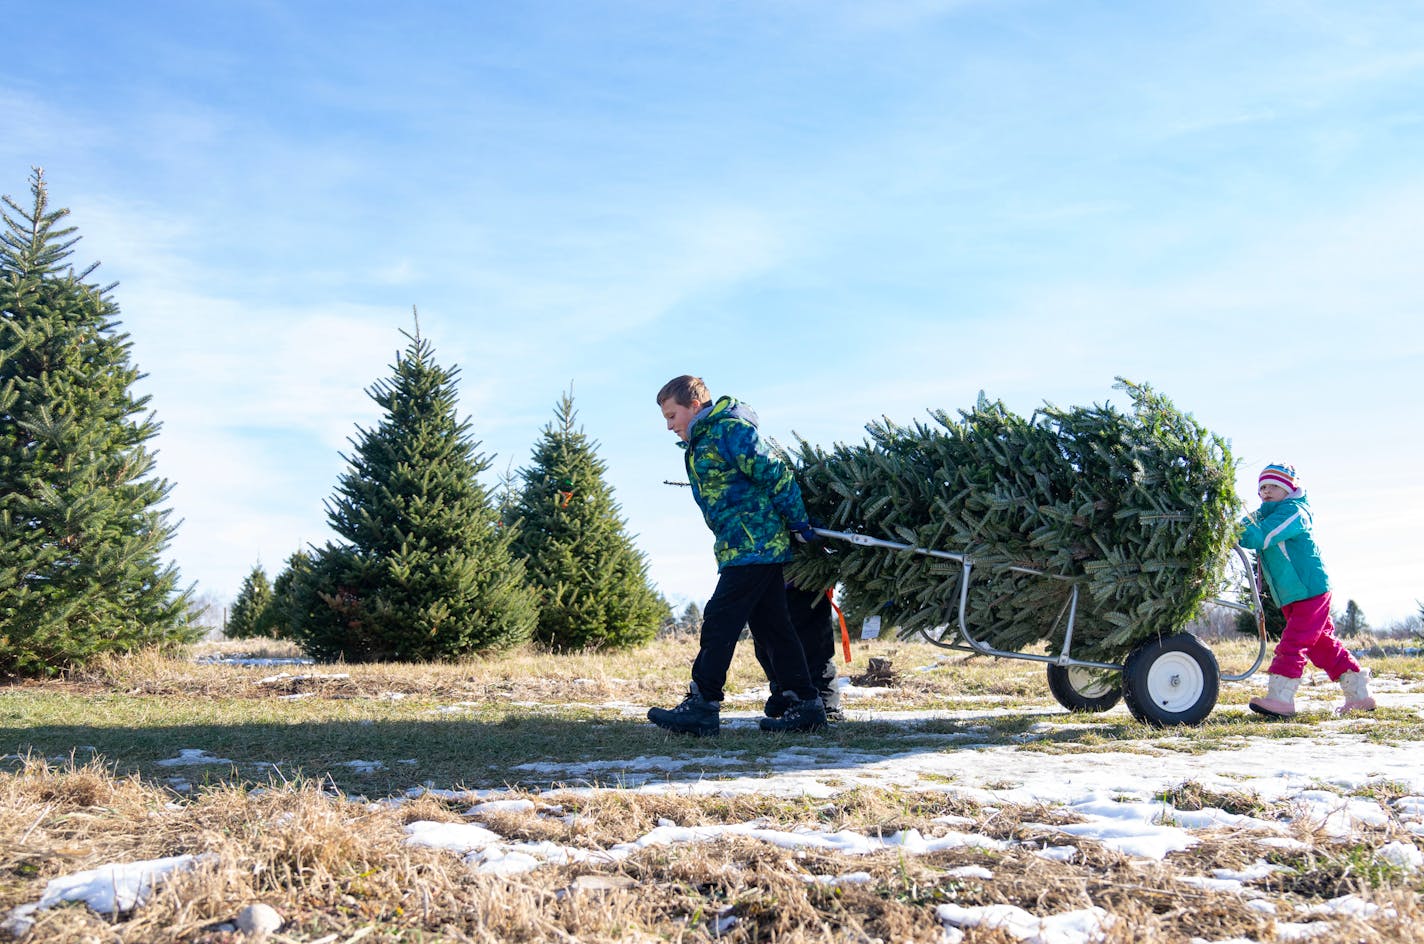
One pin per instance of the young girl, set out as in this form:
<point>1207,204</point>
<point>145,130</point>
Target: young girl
<point>1280,533</point>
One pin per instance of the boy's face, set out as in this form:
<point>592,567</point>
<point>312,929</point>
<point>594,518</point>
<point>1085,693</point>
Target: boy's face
<point>679,417</point>
<point>1270,491</point>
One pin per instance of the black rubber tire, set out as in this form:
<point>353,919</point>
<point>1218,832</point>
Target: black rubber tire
<point>1083,694</point>
<point>1172,681</point>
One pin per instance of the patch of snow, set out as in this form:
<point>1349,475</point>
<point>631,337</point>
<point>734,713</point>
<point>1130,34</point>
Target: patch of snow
<point>1132,827</point>
<point>1337,815</point>
<point>1058,853</point>
<point>1071,927</point>
<point>1403,855</point>
<point>501,806</point>
<point>970,871</point>
<point>252,660</point>
<point>287,677</point>
<point>109,889</point>
<point>1352,905</point>
<point>850,878</point>
<point>191,757</point>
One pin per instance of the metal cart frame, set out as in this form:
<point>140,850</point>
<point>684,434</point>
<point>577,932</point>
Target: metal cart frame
<point>1165,681</point>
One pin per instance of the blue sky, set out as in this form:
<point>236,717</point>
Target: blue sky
<point>835,211</point>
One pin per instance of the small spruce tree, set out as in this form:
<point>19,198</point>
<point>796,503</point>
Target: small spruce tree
<point>284,614</point>
<point>82,526</point>
<point>1352,622</point>
<point>424,570</point>
<point>251,609</point>
<point>592,581</point>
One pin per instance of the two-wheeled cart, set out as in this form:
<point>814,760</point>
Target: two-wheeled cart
<point>1165,681</point>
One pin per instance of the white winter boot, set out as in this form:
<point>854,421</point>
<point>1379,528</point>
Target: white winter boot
<point>1279,700</point>
<point>1356,686</point>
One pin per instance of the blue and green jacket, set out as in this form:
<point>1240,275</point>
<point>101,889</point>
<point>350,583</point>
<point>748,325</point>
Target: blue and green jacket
<point>748,497</point>
<point>1280,533</point>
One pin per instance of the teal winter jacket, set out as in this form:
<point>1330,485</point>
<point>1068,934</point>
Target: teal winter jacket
<point>748,497</point>
<point>1290,561</point>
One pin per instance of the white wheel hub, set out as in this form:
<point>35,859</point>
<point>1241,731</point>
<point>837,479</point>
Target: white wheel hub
<point>1087,683</point>
<point>1175,682</point>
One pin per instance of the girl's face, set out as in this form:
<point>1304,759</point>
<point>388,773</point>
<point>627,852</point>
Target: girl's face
<point>1270,491</point>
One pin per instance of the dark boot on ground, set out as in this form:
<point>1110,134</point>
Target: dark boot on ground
<point>800,715</point>
<point>696,715</point>
<point>777,704</point>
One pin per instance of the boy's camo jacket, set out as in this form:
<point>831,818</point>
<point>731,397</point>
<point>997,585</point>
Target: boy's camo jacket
<point>747,496</point>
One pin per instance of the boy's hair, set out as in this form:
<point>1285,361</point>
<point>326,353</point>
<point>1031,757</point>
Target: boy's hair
<point>686,390</point>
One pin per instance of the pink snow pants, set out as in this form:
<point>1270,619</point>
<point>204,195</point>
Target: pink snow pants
<point>1309,634</point>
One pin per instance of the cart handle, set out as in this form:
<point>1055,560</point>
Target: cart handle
<point>1257,608</point>
<point>865,540</point>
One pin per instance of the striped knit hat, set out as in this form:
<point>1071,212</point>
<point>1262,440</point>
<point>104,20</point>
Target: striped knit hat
<point>1278,473</point>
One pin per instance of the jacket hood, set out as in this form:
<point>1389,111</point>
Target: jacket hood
<point>725,407</point>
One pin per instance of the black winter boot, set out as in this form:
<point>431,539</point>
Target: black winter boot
<point>801,715</point>
<point>777,704</point>
<point>696,715</point>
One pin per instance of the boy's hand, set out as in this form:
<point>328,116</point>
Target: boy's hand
<point>806,534</point>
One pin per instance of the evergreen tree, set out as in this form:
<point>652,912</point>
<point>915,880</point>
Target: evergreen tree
<point>81,523</point>
<point>1352,622</point>
<point>284,614</point>
<point>593,583</point>
<point>691,621</point>
<point>250,615</point>
<point>1135,509</point>
<point>423,569</point>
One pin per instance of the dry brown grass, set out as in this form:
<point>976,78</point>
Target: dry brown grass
<point>339,870</point>
<point>342,871</point>
<point>528,674</point>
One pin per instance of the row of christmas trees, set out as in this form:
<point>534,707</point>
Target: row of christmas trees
<point>428,563</point>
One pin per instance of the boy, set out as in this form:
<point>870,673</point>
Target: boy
<point>748,498</point>
<point>1280,534</point>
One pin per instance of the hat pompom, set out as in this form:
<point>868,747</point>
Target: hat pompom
<point>1278,473</point>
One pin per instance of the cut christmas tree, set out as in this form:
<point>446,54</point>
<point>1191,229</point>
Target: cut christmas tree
<point>1135,508</point>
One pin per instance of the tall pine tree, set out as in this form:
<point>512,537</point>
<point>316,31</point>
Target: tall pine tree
<point>81,523</point>
<point>424,569</point>
<point>593,583</point>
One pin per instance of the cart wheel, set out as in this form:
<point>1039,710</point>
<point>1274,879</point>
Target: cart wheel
<point>1170,681</point>
<point>1082,689</point>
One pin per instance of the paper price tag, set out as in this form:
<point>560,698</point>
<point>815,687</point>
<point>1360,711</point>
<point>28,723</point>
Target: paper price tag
<point>870,629</point>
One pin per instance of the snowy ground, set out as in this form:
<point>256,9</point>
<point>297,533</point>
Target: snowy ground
<point>1110,793</point>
